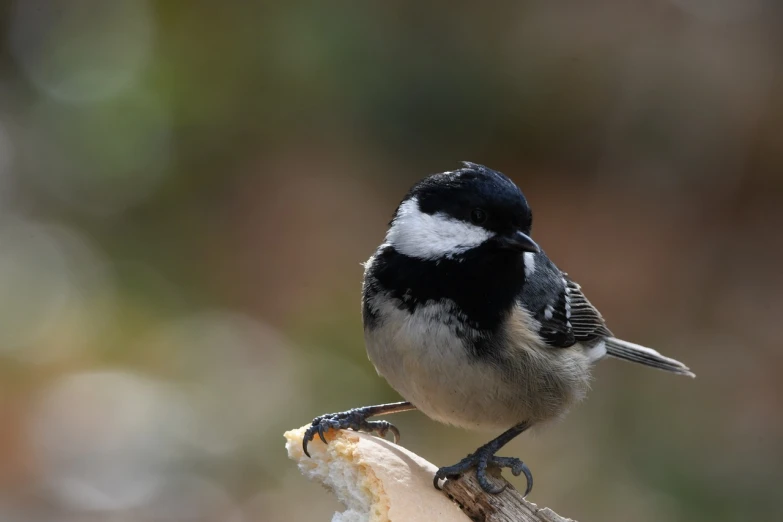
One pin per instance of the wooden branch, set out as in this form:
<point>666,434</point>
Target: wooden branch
<point>508,506</point>
<point>378,480</point>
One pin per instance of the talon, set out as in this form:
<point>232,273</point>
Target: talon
<point>486,485</point>
<point>308,436</point>
<point>517,468</point>
<point>480,460</point>
<point>529,479</point>
<point>355,419</point>
<point>395,433</point>
<point>384,427</point>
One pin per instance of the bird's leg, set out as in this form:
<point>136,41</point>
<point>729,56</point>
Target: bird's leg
<point>356,419</point>
<point>485,456</point>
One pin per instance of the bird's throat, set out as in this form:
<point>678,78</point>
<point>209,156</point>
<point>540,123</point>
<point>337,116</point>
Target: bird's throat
<point>482,284</point>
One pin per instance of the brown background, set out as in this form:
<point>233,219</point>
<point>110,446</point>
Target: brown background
<point>187,189</point>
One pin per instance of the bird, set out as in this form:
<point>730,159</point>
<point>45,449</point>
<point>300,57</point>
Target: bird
<point>468,319</point>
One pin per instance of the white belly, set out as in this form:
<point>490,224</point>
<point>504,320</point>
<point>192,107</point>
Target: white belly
<point>426,362</point>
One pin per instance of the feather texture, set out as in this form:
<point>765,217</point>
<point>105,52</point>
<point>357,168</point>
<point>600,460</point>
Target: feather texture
<point>558,305</point>
<point>646,356</point>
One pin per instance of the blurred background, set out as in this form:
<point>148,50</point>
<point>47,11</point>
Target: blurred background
<point>187,189</point>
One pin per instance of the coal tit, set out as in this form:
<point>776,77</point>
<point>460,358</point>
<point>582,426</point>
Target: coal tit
<point>468,319</point>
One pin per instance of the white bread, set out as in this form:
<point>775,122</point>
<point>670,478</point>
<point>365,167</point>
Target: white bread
<point>374,479</point>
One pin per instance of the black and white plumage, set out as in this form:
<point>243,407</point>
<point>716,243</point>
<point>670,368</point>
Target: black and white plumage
<point>470,321</point>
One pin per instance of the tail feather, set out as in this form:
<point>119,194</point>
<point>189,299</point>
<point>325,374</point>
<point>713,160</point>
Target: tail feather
<point>643,355</point>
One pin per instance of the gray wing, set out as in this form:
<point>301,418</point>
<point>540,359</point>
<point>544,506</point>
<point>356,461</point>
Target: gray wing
<point>558,305</point>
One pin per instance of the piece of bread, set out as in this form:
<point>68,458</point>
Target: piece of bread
<point>375,479</point>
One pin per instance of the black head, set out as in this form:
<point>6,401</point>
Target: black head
<point>451,213</point>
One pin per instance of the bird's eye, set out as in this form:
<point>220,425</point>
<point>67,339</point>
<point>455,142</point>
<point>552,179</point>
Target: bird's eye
<point>478,216</point>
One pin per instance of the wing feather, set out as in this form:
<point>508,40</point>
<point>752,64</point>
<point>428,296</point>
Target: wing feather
<point>560,307</point>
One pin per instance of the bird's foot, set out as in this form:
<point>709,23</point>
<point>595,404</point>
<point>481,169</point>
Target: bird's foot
<point>481,459</point>
<point>355,419</point>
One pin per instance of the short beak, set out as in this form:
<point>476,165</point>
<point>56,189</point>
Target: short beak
<point>519,241</point>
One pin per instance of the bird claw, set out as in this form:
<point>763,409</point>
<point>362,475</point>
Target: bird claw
<point>517,468</point>
<point>480,460</point>
<point>355,419</point>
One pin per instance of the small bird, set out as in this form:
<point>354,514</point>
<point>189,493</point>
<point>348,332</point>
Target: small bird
<point>471,323</point>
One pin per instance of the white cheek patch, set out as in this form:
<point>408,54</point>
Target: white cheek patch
<point>530,264</point>
<point>432,236</point>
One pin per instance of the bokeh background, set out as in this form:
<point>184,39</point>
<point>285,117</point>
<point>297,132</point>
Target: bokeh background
<point>187,189</point>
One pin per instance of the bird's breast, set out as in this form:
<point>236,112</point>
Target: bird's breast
<point>426,356</point>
